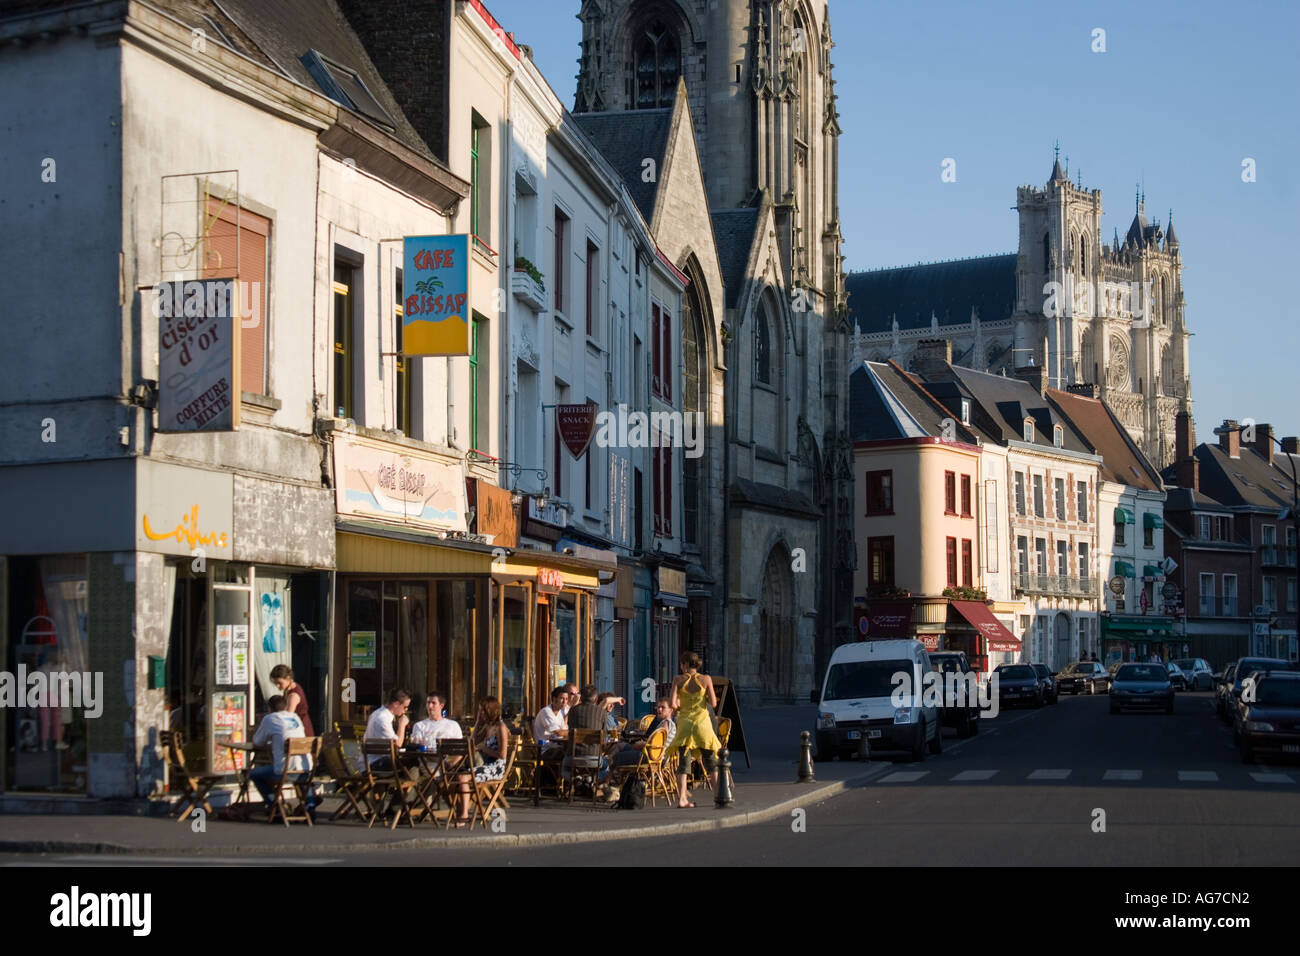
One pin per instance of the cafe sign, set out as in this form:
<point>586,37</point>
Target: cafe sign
<point>577,425</point>
<point>376,480</point>
<point>549,581</point>
<point>183,511</point>
<point>435,295</point>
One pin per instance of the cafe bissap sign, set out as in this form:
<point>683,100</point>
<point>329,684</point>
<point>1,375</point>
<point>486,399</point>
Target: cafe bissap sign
<point>435,295</point>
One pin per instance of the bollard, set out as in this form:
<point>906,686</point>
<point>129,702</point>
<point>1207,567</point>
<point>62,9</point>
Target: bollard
<point>805,758</point>
<point>864,748</point>
<point>722,796</point>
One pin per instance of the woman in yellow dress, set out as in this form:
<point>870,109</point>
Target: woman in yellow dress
<point>694,726</point>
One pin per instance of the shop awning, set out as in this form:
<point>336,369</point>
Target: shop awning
<point>517,569</point>
<point>1124,569</point>
<point>1123,516</point>
<point>887,619</point>
<point>993,630</point>
<point>1153,571</point>
<point>1152,520</point>
<point>1135,625</point>
<point>379,552</point>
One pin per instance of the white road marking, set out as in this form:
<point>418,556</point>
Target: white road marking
<point>1049,774</point>
<point>974,775</point>
<point>1197,776</point>
<point>114,859</point>
<point>1272,778</point>
<point>1122,775</point>
<point>904,776</point>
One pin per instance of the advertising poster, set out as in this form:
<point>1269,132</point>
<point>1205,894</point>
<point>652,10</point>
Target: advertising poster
<point>239,655</point>
<point>361,650</point>
<point>223,654</point>
<point>198,377</point>
<point>436,308</point>
<point>229,721</point>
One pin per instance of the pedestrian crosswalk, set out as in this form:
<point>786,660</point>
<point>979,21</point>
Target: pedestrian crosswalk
<point>1265,775</point>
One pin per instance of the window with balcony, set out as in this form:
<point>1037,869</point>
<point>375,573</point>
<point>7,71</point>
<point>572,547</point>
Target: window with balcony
<point>1085,568</point>
<point>1229,595</point>
<point>965,496</point>
<point>1038,496</point>
<point>1022,555</point>
<point>1040,552</point>
<point>967,563</point>
<point>1020,492</point>
<point>952,562</point>
<point>1270,592</point>
<point>1207,595</point>
<point>345,274</point>
<point>880,562</point>
<point>1060,499</point>
<point>949,493</point>
<point>1268,544</point>
<point>1063,559</point>
<point>880,492</point>
<point>1081,504</point>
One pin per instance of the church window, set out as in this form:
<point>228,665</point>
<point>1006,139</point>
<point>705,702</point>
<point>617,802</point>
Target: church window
<point>657,67</point>
<point>1047,253</point>
<point>1083,255</point>
<point>763,350</point>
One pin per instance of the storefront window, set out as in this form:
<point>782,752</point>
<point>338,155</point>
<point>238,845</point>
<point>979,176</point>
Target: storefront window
<point>514,652</point>
<point>564,648</point>
<point>50,637</point>
<point>456,604</point>
<point>229,711</point>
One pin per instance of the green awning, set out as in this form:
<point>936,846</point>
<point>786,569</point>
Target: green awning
<point>1124,569</point>
<point>1123,516</point>
<point>1152,520</point>
<point>1161,626</point>
<point>1153,571</point>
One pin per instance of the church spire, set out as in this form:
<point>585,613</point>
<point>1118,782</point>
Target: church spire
<point>1058,175</point>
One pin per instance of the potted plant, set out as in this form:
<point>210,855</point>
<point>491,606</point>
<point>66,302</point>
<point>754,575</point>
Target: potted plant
<point>523,264</point>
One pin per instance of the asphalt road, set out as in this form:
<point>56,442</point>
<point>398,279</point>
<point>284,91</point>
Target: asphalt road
<point>1032,789</point>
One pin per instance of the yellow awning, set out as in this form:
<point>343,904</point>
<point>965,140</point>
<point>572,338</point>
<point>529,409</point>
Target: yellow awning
<point>372,554</point>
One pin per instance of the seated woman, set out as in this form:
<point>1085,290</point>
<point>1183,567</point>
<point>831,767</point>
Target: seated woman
<point>491,741</point>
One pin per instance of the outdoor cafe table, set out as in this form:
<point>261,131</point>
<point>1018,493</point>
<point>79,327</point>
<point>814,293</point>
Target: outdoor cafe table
<point>430,764</point>
<point>254,751</point>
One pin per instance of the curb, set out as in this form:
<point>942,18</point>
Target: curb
<point>503,841</point>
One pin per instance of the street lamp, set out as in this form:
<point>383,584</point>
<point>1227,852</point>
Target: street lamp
<point>1293,512</point>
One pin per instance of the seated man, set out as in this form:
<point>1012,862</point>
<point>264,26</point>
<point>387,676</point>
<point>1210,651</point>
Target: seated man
<point>608,701</point>
<point>589,715</point>
<point>550,726</point>
<point>630,755</point>
<point>436,727</point>
<point>389,723</point>
<point>277,726</point>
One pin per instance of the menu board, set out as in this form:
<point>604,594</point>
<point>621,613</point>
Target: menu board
<point>239,655</point>
<point>229,721</point>
<point>223,654</point>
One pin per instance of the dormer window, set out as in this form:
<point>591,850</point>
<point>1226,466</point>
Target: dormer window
<point>1058,436</point>
<point>1029,429</point>
<point>965,411</point>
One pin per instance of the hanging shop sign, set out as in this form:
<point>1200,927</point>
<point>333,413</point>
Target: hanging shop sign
<point>436,302</point>
<point>496,515</point>
<point>577,425</point>
<point>198,377</point>
<point>549,581</point>
<point>376,480</point>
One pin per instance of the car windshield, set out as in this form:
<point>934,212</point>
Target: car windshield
<point>1077,667</point>
<point>946,665</point>
<point>1041,670</point>
<point>854,679</point>
<point>1278,692</point>
<point>1142,672</point>
<point>1017,672</point>
<point>1252,664</point>
<point>1186,665</point>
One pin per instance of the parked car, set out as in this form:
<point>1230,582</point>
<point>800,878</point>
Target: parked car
<point>966,717</point>
<point>1176,676</point>
<point>1142,685</point>
<point>1246,667</point>
<point>1083,675</point>
<point>1197,671</point>
<point>1048,681</point>
<point>1221,688</point>
<point>1018,684</point>
<point>858,699</point>
<point>1271,723</point>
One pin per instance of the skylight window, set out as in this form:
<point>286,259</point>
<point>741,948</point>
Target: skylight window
<point>344,86</point>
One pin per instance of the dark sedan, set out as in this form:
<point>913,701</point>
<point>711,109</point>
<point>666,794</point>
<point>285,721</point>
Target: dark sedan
<point>1177,677</point>
<point>1018,684</point>
<point>1271,723</point>
<point>1142,685</point>
<point>1050,693</point>
<point>1246,666</point>
<point>1222,689</point>
<point>1083,676</point>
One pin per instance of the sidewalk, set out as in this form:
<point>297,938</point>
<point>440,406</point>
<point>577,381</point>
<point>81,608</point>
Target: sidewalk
<point>766,790</point>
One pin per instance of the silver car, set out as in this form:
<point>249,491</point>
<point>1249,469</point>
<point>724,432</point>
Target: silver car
<point>1198,673</point>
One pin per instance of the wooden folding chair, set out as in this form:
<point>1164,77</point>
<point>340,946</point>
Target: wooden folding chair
<point>196,786</point>
<point>353,786</point>
<point>298,781</point>
<point>394,782</point>
<point>581,764</point>
<point>488,793</point>
<point>454,758</point>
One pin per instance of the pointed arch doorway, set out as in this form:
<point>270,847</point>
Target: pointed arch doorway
<point>776,628</point>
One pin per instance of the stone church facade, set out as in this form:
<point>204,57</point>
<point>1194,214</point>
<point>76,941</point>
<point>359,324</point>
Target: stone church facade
<point>775,555</point>
<point>1110,315</point>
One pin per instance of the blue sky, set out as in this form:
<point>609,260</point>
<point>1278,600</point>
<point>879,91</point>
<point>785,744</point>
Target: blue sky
<point>1184,92</point>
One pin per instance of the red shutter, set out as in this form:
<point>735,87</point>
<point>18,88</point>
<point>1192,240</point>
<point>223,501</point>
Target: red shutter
<point>657,472</point>
<point>965,562</point>
<point>952,562</point>
<point>656,386</point>
<point>666,358</point>
<point>225,223</point>
<point>668,491</point>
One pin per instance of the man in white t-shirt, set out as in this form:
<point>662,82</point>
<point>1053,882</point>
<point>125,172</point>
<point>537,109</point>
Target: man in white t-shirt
<point>436,727</point>
<point>550,726</point>
<point>276,727</point>
<point>389,723</point>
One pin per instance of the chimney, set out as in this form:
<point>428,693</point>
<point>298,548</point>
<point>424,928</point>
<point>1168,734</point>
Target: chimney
<point>1264,442</point>
<point>1291,445</point>
<point>1035,375</point>
<point>932,358</point>
<point>1086,389</point>
<point>1189,473</point>
<point>1230,438</point>
<point>1184,436</point>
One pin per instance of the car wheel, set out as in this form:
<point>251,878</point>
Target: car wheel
<point>918,745</point>
<point>936,745</point>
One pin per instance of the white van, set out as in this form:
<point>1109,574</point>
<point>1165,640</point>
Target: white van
<point>858,699</point>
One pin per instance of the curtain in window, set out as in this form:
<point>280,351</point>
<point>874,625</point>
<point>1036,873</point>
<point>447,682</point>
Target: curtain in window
<point>272,643</point>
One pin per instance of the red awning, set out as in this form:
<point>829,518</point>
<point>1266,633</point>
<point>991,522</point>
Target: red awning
<point>979,616</point>
<point>886,619</point>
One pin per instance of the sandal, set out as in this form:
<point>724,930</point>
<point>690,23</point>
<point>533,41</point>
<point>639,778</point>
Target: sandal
<point>685,806</point>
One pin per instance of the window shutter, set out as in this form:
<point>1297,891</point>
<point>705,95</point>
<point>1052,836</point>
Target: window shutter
<point>234,231</point>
